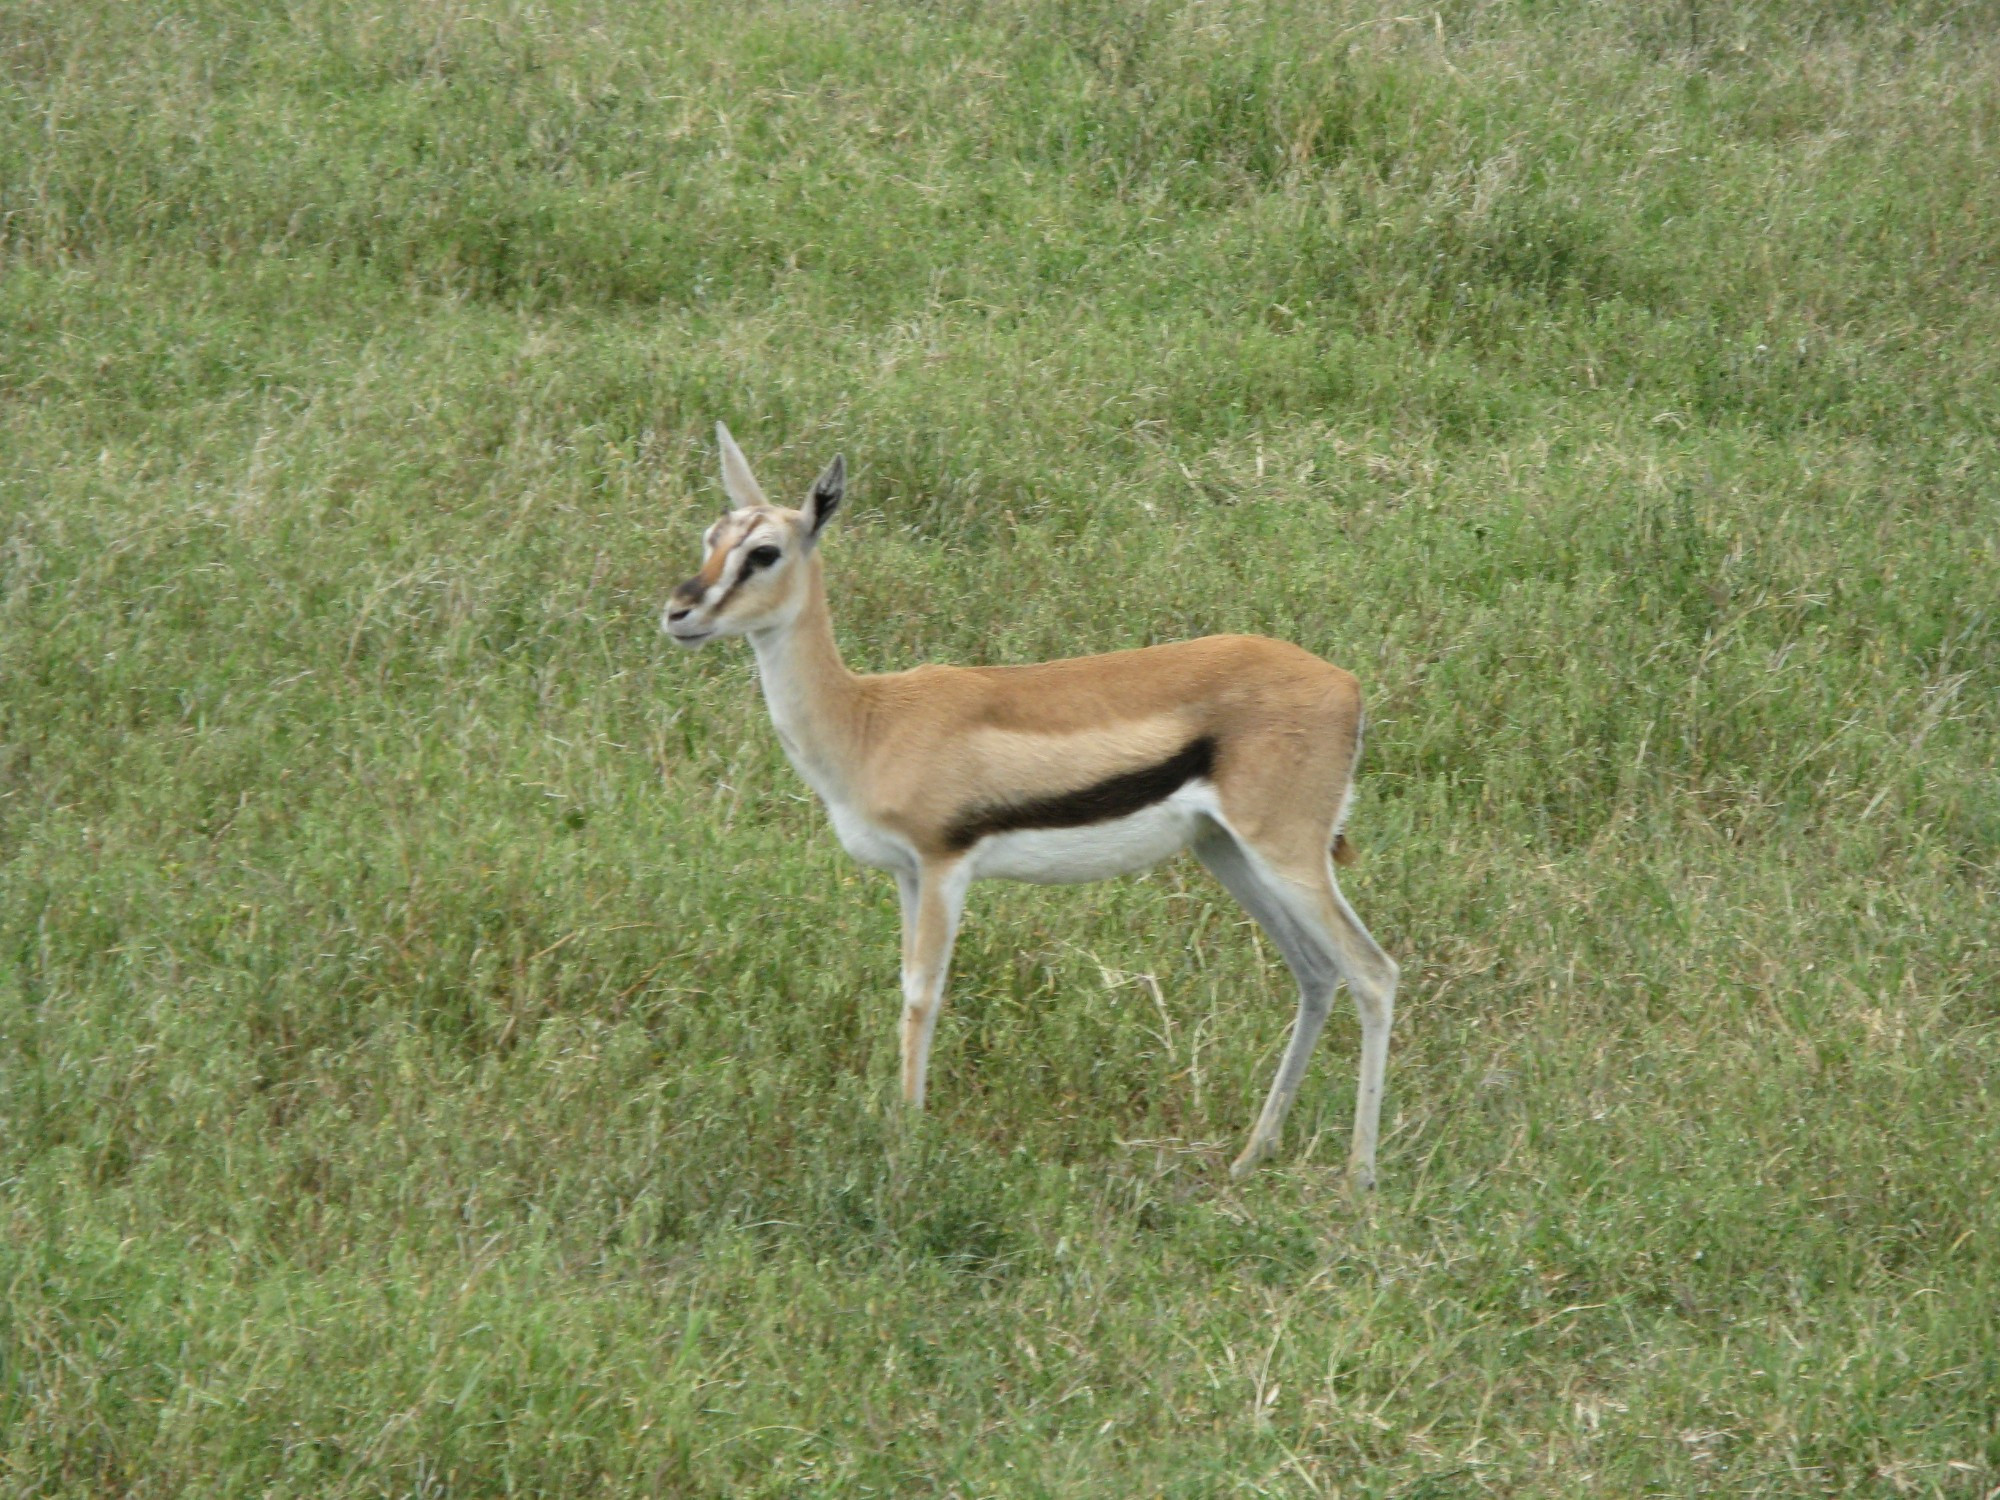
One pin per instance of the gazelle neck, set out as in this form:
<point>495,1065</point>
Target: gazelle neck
<point>812,696</point>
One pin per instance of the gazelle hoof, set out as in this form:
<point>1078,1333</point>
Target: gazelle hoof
<point>1252,1157</point>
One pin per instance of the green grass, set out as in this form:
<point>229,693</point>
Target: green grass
<point>443,1051</point>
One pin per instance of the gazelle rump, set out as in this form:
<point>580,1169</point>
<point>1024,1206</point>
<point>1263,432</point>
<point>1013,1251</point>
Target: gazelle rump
<point>1240,748</point>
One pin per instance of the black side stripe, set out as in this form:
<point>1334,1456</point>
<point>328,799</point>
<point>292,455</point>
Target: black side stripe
<point>1114,797</point>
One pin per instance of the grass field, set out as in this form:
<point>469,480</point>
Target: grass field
<point>443,1051</point>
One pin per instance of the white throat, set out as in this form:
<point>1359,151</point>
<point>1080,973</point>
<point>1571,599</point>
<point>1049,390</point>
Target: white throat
<point>793,670</point>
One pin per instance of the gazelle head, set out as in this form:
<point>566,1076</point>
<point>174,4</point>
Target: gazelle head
<point>755,559</point>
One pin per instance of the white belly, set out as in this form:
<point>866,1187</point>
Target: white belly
<point>1097,851</point>
<point>1050,856</point>
<point>874,846</point>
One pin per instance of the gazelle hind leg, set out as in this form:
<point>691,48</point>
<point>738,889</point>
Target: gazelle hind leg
<point>1371,977</point>
<point>1323,943</point>
<point>1308,953</point>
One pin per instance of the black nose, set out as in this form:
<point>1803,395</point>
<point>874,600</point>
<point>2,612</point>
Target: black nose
<point>675,616</point>
<point>688,591</point>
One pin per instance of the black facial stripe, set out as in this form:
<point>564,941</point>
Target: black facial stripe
<point>1114,797</point>
<point>743,571</point>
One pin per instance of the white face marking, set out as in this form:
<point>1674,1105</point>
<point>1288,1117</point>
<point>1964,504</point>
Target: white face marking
<point>737,564</point>
<point>741,563</point>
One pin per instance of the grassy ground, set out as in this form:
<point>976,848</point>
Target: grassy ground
<point>442,1050</point>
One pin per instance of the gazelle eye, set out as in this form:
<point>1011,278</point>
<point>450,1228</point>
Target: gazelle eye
<point>760,557</point>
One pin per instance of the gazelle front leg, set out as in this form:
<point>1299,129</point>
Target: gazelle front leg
<point>933,898</point>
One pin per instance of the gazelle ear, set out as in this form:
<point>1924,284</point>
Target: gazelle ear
<point>737,481</point>
<point>826,494</point>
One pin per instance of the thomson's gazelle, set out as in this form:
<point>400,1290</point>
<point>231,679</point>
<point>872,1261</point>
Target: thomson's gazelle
<point>1238,747</point>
